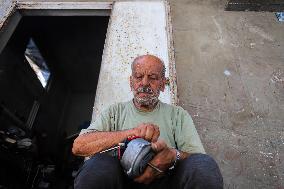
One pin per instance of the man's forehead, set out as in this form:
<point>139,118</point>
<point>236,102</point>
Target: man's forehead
<point>150,63</point>
<point>146,71</point>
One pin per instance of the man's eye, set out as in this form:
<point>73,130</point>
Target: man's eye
<point>153,77</point>
<point>138,77</point>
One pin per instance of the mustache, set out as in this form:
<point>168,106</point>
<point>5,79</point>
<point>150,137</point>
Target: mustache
<point>145,90</point>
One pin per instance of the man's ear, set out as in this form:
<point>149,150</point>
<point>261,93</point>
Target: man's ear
<point>163,84</point>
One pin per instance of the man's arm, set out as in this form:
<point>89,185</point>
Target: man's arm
<point>91,143</point>
<point>187,140</point>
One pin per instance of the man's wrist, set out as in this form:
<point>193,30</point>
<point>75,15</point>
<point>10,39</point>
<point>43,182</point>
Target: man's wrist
<point>176,158</point>
<point>130,133</point>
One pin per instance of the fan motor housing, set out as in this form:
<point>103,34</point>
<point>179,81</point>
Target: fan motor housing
<point>136,157</point>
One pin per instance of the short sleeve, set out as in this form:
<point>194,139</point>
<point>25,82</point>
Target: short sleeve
<point>186,136</point>
<point>102,123</point>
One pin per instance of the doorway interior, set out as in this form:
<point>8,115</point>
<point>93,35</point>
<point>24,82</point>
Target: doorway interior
<point>48,76</point>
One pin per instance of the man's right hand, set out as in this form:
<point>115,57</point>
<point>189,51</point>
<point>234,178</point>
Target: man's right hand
<point>163,159</point>
<point>147,131</point>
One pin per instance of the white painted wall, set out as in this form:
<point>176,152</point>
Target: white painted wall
<point>135,28</point>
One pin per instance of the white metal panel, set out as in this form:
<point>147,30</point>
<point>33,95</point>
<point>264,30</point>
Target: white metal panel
<point>135,28</point>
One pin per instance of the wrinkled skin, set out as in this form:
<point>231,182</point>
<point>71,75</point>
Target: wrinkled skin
<point>147,81</point>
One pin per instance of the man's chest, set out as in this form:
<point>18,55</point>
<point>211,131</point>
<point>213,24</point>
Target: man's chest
<point>165,123</point>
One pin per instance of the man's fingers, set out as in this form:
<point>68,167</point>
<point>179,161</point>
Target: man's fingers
<point>143,132</point>
<point>149,133</point>
<point>156,134</point>
<point>139,179</point>
<point>159,145</point>
<point>146,178</point>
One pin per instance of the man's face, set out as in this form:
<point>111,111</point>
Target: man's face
<point>146,81</point>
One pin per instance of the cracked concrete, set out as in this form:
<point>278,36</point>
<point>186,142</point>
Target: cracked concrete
<point>230,78</point>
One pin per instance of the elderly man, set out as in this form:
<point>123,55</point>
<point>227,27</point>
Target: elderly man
<point>170,130</point>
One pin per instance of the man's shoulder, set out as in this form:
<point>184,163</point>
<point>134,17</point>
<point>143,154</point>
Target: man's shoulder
<point>171,107</point>
<point>174,111</point>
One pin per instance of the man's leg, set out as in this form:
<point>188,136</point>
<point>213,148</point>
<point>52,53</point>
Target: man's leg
<point>198,171</point>
<point>101,171</point>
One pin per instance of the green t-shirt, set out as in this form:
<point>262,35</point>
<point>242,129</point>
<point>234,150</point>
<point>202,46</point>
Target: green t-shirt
<point>176,126</point>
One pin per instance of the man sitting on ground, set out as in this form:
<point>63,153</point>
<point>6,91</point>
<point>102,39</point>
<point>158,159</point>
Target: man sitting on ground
<point>169,128</point>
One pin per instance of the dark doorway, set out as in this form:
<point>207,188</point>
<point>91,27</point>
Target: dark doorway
<point>37,123</point>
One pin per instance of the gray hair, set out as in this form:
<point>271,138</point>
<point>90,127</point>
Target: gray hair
<point>163,72</point>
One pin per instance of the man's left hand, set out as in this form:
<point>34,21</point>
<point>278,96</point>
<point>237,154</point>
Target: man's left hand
<point>163,160</point>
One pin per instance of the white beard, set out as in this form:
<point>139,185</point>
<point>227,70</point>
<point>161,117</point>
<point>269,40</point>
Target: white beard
<point>146,101</point>
<point>150,100</point>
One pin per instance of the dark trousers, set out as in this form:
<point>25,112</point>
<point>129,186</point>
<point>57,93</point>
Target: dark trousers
<point>197,171</point>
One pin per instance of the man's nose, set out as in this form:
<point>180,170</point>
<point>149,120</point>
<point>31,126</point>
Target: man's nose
<point>145,81</point>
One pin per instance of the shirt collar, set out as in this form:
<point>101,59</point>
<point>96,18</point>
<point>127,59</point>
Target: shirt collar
<point>145,112</point>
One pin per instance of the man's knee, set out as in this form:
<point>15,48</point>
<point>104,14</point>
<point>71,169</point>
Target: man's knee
<point>200,162</point>
<point>202,170</point>
<point>100,170</point>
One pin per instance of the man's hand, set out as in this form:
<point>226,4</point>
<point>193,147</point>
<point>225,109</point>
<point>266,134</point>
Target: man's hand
<point>147,131</point>
<point>163,160</point>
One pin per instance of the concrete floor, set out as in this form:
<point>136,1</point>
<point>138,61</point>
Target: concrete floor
<point>230,68</point>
